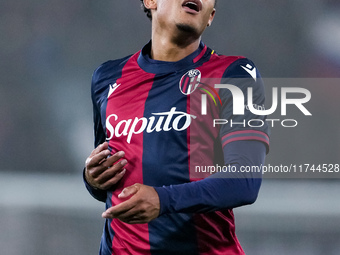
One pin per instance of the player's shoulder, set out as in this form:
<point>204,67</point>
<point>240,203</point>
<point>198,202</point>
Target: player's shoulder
<point>107,73</point>
<point>109,68</point>
<point>242,68</point>
<point>237,66</point>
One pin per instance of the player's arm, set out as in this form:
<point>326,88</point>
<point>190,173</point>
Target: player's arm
<point>222,190</point>
<point>101,171</point>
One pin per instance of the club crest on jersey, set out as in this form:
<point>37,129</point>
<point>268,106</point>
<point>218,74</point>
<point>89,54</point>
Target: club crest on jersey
<point>190,81</point>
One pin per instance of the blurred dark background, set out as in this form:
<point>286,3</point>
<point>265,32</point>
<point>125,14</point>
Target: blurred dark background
<point>48,52</point>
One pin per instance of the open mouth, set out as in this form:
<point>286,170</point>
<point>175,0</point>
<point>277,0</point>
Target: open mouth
<point>193,5</point>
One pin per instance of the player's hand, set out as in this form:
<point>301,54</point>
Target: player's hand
<point>101,171</point>
<point>142,205</point>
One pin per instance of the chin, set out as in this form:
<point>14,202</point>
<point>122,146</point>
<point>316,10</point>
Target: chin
<point>187,28</point>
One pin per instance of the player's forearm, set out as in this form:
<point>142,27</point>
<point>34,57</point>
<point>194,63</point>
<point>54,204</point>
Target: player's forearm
<point>222,190</point>
<point>211,194</point>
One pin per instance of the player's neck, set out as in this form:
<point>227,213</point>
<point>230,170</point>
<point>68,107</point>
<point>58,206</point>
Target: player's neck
<point>167,47</point>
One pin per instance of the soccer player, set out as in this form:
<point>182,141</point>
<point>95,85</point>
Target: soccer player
<point>158,130</point>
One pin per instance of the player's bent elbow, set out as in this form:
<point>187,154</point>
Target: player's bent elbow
<point>248,191</point>
<point>251,198</point>
<point>251,191</point>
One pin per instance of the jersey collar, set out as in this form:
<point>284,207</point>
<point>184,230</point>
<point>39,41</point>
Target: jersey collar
<point>155,66</point>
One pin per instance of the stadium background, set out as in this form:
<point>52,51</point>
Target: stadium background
<point>48,51</point>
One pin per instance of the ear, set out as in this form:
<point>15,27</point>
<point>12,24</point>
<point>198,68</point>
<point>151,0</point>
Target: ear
<point>211,18</point>
<point>150,4</point>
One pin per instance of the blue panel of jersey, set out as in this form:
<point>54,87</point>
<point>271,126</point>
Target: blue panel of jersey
<point>166,163</point>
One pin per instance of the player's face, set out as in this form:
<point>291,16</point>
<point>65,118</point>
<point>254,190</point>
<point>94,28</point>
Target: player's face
<point>191,16</point>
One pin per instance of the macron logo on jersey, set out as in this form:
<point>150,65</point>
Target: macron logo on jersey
<point>112,89</point>
<point>251,70</point>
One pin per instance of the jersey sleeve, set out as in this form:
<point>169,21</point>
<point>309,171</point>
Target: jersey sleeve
<point>222,190</point>
<point>97,89</point>
<point>246,81</point>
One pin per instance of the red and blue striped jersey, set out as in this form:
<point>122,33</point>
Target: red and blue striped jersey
<point>152,110</point>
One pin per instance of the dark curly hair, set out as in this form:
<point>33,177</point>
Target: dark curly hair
<point>148,12</point>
